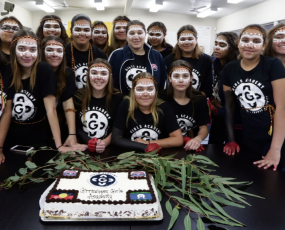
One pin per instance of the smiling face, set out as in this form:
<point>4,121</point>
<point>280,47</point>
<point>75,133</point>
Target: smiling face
<point>187,41</point>
<point>145,92</point>
<point>99,35</point>
<point>180,78</point>
<point>221,48</point>
<point>8,29</point>
<point>251,44</point>
<point>99,76</point>
<point>26,52</point>
<point>53,53</point>
<point>120,30</point>
<point>278,44</point>
<point>81,32</point>
<point>136,37</point>
<point>155,36</point>
<point>51,28</point>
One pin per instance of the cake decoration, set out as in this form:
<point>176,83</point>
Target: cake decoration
<point>141,196</point>
<point>135,174</point>
<point>71,173</point>
<point>103,180</point>
<point>62,195</point>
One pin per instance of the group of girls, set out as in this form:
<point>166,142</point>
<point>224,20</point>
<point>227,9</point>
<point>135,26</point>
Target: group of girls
<point>57,88</point>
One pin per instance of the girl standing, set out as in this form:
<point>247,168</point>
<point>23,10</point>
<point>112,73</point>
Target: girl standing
<point>119,35</point>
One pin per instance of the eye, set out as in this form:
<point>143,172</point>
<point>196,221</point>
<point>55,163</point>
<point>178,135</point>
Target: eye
<point>140,32</point>
<point>182,39</point>
<point>49,50</point>
<point>244,40</point>
<point>256,41</point>
<point>59,50</point>
<point>33,49</point>
<point>150,88</point>
<point>176,75</point>
<point>104,73</point>
<point>223,44</point>
<point>47,26</point>
<point>93,72</point>
<point>132,33</point>
<point>185,75</point>
<point>16,28</point>
<point>77,29</point>
<point>139,89</point>
<point>86,29</point>
<point>151,34</point>
<point>56,26</point>
<point>96,31</point>
<point>104,32</point>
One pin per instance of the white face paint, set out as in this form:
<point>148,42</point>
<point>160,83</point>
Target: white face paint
<point>54,50</point>
<point>51,26</point>
<point>155,34</point>
<point>99,31</point>
<point>279,36</point>
<point>186,38</point>
<point>120,27</point>
<point>257,39</point>
<point>10,26</point>
<point>81,29</point>
<point>23,48</point>
<point>104,72</point>
<point>181,75</point>
<point>136,31</point>
<point>224,42</point>
<point>147,87</point>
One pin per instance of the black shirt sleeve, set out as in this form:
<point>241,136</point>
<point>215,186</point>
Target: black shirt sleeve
<point>203,112</point>
<point>70,86</point>
<point>168,61</point>
<point>225,78</point>
<point>277,70</point>
<point>98,53</point>
<point>170,124</point>
<point>121,116</point>
<point>46,79</point>
<point>209,78</point>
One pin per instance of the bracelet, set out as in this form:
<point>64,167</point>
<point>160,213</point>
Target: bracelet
<point>72,134</point>
<point>70,110</point>
<point>59,147</point>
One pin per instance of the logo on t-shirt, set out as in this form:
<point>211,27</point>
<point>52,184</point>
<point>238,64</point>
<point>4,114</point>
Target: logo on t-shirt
<point>250,95</point>
<point>2,94</point>
<point>80,75</point>
<point>97,123</point>
<point>186,123</point>
<point>145,132</point>
<point>23,106</point>
<point>196,81</point>
<point>154,67</point>
<point>133,71</point>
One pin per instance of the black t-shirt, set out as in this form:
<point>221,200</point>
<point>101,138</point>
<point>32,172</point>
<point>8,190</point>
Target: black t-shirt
<point>81,62</point>
<point>166,51</point>
<point>133,68</point>
<point>191,116</point>
<point>144,127</point>
<point>28,108</point>
<point>254,91</point>
<point>6,92</point>
<point>202,72</point>
<point>99,121</point>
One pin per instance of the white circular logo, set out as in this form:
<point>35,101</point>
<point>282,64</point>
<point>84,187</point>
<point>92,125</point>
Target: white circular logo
<point>96,124</point>
<point>250,96</point>
<point>23,108</point>
<point>80,79</point>
<point>145,134</point>
<point>131,75</point>
<point>185,125</point>
<point>195,81</point>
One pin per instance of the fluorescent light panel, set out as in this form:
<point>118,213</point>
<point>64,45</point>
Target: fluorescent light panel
<point>207,12</point>
<point>234,1</point>
<point>156,6</point>
<point>45,7</point>
<point>99,5</point>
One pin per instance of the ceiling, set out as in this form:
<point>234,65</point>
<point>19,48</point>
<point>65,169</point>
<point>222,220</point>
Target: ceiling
<point>171,6</point>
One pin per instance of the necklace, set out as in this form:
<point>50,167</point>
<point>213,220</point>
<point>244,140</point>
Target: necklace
<point>90,56</point>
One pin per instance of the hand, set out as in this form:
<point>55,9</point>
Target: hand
<point>271,159</point>
<point>200,149</point>
<point>79,147</point>
<point>100,146</point>
<point>2,157</point>
<point>216,103</point>
<point>141,141</point>
<point>64,149</point>
<point>92,144</point>
<point>70,140</point>
<point>151,147</point>
<point>231,147</point>
<point>193,144</point>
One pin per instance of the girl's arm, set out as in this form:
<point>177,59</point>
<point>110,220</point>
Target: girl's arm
<point>70,118</point>
<point>274,154</point>
<point>196,141</point>
<point>4,127</point>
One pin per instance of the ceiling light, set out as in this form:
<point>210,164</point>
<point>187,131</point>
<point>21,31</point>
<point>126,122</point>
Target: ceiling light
<point>156,6</point>
<point>45,7</point>
<point>207,12</point>
<point>99,5</point>
<point>234,1</point>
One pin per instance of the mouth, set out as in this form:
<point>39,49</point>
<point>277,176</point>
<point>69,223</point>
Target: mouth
<point>99,83</point>
<point>27,60</point>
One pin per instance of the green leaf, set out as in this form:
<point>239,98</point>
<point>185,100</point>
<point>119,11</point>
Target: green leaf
<point>200,224</point>
<point>14,178</point>
<point>245,193</point>
<point>170,156</point>
<point>37,180</point>
<point>201,157</point>
<point>76,164</point>
<point>23,171</point>
<point>51,161</point>
<point>163,177</point>
<point>31,152</point>
<point>168,207</point>
<point>157,176</point>
<point>125,155</point>
<point>47,169</point>
<point>206,181</point>
<point>159,194</point>
<point>161,162</point>
<point>30,165</point>
<point>174,216</point>
<point>79,152</point>
<point>225,222</point>
<point>224,190</point>
<point>168,168</point>
<point>93,167</point>
<point>45,147</point>
<point>147,160</point>
<point>187,222</point>
<point>183,175</point>
<point>107,165</point>
<point>171,190</point>
<point>196,203</point>
<point>60,166</point>
<point>207,206</point>
<point>224,201</point>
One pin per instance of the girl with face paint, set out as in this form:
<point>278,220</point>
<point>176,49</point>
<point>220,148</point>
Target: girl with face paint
<point>119,35</point>
<point>34,103</point>
<point>189,105</point>
<point>80,52</point>
<point>145,123</point>
<point>53,53</point>
<point>8,27</point>
<point>156,38</point>
<point>96,106</point>
<point>100,37</point>
<point>225,51</point>
<point>258,83</point>
<point>187,49</point>
<point>51,25</point>
<point>136,57</point>
<point>275,46</point>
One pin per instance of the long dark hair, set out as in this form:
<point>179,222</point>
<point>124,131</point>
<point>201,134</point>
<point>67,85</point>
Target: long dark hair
<point>40,30</point>
<point>3,58</point>
<point>77,18</point>
<point>61,72</point>
<point>268,51</point>
<point>163,27</point>
<point>114,41</point>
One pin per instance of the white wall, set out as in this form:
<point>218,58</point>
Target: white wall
<point>265,12</point>
<point>172,21</point>
<point>23,15</point>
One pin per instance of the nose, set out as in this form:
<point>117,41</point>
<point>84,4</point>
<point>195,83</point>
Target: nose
<point>28,54</point>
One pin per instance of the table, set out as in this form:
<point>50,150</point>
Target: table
<point>19,209</point>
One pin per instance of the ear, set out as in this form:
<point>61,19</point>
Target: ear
<point>169,78</point>
<point>264,45</point>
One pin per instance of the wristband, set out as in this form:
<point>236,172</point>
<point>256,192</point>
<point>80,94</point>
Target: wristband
<point>59,147</point>
<point>72,134</point>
